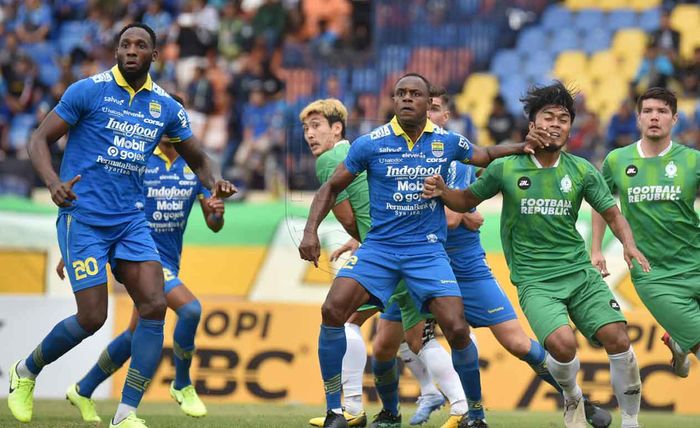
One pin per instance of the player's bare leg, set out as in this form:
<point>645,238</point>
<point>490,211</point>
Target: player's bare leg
<point>624,371</point>
<point>564,365</point>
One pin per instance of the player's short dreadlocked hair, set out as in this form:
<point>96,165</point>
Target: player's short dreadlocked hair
<point>149,30</point>
<point>540,96</point>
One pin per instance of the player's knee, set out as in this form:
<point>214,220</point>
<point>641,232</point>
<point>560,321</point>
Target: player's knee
<point>617,344</point>
<point>518,346</point>
<point>415,343</point>
<point>382,352</point>
<point>332,315</point>
<point>92,321</point>
<point>191,311</point>
<point>562,349</point>
<point>457,334</point>
<point>154,308</point>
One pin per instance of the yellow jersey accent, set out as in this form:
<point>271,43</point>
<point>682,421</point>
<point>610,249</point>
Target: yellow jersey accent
<point>121,81</point>
<point>398,130</point>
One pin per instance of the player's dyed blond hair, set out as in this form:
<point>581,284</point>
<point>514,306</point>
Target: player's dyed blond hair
<point>332,109</point>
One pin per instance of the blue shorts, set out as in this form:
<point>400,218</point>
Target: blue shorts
<point>170,275</point>
<point>87,249</point>
<point>379,269</point>
<point>485,303</point>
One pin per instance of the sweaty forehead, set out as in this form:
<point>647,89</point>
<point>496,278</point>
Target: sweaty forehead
<point>554,109</point>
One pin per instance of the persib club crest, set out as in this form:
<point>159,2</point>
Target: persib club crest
<point>565,185</point>
<point>188,173</point>
<point>154,109</point>
<point>438,148</point>
<point>671,170</point>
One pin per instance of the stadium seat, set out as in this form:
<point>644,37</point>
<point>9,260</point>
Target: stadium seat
<point>537,64</point>
<point>20,128</point>
<point>629,42</point>
<point>577,4</point>
<point>602,64</point>
<point>690,39</point>
<point>596,40</point>
<point>364,80</point>
<point>569,64</point>
<point>612,4</point>
<point>505,63</point>
<point>556,17</point>
<point>621,18</point>
<point>687,105</point>
<point>643,5</point>
<point>480,84</point>
<point>564,40</point>
<point>649,19</point>
<point>685,17</point>
<point>532,38</point>
<point>589,19</point>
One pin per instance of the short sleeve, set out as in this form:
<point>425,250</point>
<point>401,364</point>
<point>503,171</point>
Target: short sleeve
<point>608,175</point>
<point>76,101</point>
<point>203,192</point>
<point>596,191</point>
<point>489,184</point>
<point>178,125</point>
<point>325,167</point>
<point>358,156</point>
<point>464,150</point>
<point>456,176</point>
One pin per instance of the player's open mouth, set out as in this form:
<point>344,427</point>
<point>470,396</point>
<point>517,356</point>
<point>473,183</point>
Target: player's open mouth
<point>406,108</point>
<point>555,134</point>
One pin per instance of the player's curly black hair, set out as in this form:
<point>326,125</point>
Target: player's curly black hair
<point>149,30</point>
<point>428,85</point>
<point>538,97</point>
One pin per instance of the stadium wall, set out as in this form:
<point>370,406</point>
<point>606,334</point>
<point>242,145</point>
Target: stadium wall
<point>257,341</point>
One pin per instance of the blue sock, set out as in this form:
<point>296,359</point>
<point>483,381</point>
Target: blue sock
<point>331,349</point>
<point>386,379</point>
<point>64,337</point>
<point>536,359</point>
<point>466,364</point>
<point>183,341</point>
<point>146,347</point>
<point>111,359</point>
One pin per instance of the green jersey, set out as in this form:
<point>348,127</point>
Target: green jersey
<point>657,196</point>
<point>540,209</point>
<point>357,192</point>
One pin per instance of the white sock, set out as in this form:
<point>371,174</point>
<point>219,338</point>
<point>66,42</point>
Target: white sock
<point>624,376</point>
<point>565,375</point>
<point>123,411</point>
<point>23,370</point>
<point>439,365</point>
<point>419,370</point>
<point>354,363</point>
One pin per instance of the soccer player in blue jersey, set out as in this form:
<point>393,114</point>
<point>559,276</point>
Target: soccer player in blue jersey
<point>114,120</point>
<point>406,238</point>
<point>485,303</point>
<point>171,189</point>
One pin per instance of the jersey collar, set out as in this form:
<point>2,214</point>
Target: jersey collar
<point>158,152</point>
<point>398,131</point>
<point>663,152</point>
<point>121,81</point>
<point>539,165</point>
<point>341,142</point>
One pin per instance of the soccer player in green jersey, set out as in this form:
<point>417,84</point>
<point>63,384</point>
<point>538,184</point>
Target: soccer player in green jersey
<point>542,195</point>
<point>658,180</point>
<point>324,131</point>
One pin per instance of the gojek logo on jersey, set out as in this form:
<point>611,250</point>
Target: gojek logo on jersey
<point>412,172</point>
<point>171,192</point>
<point>132,129</point>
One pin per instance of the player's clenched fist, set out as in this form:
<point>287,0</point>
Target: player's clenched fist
<point>62,192</point>
<point>223,189</point>
<point>433,187</point>
<point>310,247</point>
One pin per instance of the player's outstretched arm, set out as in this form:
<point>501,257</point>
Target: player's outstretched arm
<point>213,210</point>
<point>535,139</point>
<point>619,226</point>
<point>454,199</point>
<point>343,213</point>
<point>324,200</point>
<point>49,131</point>
<point>597,258</point>
<point>191,152</point>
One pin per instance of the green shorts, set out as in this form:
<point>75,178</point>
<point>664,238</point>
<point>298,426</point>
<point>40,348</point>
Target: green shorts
<point>675,303</point>
<point>403,308</point>
<point>581,295</point>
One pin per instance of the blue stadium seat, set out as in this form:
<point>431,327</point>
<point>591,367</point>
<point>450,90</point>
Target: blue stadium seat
<point>40,53</point>
<point>512,88</point>
<point>538,63</point>
<point>393,58</point>
<point>564,40</point>
<point>21,127</point>
<point>589,19</point>
<point>621,18</point>
<point>596,40</point>
<point>505,63</point>
<point>649,19</point>
<point>556,17</point>
<point>532,38</point>
<point>49,73</point>
<point>468,8</point>
<point>365,80</point>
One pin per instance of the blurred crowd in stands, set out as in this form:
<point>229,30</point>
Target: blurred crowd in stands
<point>243,69</point>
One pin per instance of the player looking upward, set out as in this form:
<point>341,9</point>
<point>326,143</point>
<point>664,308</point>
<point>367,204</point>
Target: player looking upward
<point>658,180</point>
<point>542,195</point>
<point>116,119</point>
<point>405,240</point>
